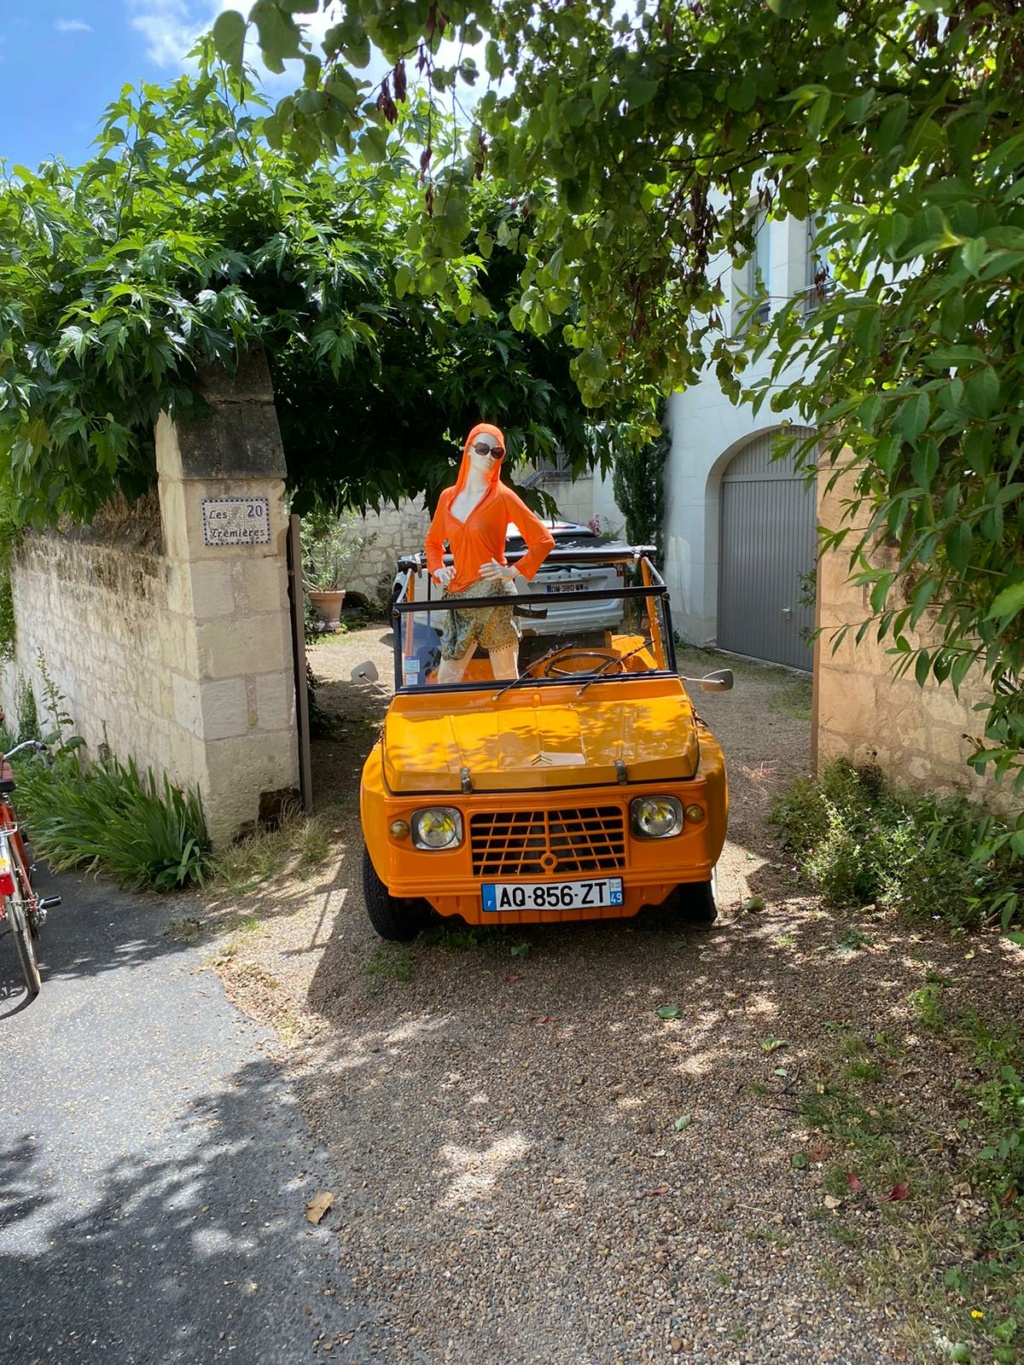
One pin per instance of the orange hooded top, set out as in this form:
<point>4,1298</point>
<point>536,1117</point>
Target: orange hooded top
<point>481,537</point>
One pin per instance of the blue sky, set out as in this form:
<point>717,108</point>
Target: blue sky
<point>63,61</point>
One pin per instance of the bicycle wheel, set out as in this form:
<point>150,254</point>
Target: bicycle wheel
<point>19,852</point>
<point>17,915</point>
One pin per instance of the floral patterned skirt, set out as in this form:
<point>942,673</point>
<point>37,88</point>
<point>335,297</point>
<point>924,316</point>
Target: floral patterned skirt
<point>491,627</point>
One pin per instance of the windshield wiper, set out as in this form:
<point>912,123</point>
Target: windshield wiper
<point>596,672</point>
<point>528,676</point>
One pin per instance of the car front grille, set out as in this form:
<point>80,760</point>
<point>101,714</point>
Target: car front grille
<point>544,843</point>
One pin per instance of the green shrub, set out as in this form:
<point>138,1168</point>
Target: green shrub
<point>863,840</point>
<point>837,862</point>
<point>800,816</point>
<point>111,818</point>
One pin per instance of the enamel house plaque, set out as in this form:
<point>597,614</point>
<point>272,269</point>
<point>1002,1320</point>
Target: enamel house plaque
<point>236,521</point>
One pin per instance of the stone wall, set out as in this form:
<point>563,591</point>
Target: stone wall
<point>179,655</point>
<point>391,532</point>
<point>88,610</point>
<point>862,711</point>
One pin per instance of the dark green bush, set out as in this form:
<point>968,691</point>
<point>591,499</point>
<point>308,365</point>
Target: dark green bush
<point>862,840</point>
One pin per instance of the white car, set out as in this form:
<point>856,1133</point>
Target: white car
<point>561,573</point>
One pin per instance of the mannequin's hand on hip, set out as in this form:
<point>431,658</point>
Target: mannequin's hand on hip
<point>444,575</point>
<point>492,569</point>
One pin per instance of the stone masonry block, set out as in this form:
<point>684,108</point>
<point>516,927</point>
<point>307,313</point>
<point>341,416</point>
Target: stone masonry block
<point>235,441</point>
<point>225,709</point>
<point>179,588</point>
<point>256,644</point>
<point>249,382</point>
<point>238,772</point>
<point>212,589</point>
<point>261,584</point>
<point>186,762</point>
<point>179,650</point>
<point>275,702</point>
<point>197,491</point>
<point>172,515</point>
<point>949,747</point>
<point>188,710</point>
<point>846,695</point>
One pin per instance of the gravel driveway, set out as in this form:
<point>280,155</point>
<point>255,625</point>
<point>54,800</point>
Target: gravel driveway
<point>540,1168</point>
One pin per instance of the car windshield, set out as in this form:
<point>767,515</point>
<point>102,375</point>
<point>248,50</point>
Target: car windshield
<point>603,618</point>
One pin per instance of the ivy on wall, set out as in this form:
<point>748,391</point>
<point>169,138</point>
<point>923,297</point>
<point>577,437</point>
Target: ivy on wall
<point>9,537</point>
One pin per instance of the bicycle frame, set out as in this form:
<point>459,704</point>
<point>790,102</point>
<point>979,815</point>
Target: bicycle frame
<point>19,904</point>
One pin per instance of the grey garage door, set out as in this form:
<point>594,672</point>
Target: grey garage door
<point>767,552</point>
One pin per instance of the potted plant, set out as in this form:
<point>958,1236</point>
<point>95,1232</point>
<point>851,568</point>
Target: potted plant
<point>332,547</point>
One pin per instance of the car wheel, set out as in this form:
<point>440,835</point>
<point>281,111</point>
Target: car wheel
<point>700,901</point>
<point>394,919</point>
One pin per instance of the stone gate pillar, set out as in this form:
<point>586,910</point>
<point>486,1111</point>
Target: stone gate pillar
<point>221,486</point>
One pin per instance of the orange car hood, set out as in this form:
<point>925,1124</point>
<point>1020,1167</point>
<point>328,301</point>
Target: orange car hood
<point>523,742</point>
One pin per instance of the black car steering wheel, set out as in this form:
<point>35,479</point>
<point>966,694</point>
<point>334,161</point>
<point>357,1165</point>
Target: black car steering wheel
<point>574,661</point>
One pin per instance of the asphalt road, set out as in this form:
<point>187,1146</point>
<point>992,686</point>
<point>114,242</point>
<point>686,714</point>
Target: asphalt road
<point>154,1167</point>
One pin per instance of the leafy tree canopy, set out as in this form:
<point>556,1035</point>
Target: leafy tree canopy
<point>186,239</point>
<point>640,139</point>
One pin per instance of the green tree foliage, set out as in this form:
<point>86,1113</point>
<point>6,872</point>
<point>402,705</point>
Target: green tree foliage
<point>639,488</point>
<point>188,238</point>
<point>643,138</point>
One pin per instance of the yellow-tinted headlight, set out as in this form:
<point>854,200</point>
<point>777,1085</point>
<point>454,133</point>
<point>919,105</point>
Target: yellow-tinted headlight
<point>655,817</point>
<point>436,827</point>
<point>695,814</point>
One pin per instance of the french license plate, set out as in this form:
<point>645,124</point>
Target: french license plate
<point>499,896</point>
<point>567,587</point>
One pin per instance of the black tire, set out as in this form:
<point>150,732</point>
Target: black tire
<point>17,916</point>
<point>699,901</point>
<point>25,871</point>
<point>394,919</point>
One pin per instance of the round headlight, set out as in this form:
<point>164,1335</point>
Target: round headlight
<point>436,827</point>
<point>656,817</point>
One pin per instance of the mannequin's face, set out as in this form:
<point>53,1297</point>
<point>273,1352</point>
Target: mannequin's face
<point>479,454</point>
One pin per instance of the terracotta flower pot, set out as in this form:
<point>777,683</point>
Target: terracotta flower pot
<point>327,605</point>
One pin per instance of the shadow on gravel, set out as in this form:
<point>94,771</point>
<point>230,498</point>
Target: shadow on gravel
<point>172,1259</point>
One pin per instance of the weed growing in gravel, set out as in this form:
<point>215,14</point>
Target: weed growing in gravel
<point>951,1207</point>
<point>862,840</point>
<point>388,962</point>
<point>455,938</point>
<point>927,1006</point>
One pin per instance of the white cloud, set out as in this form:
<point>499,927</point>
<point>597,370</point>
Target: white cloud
<point>72,26</point>
<point>171,27</point>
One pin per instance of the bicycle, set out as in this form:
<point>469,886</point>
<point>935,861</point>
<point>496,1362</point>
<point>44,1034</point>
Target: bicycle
<point>21,909</point>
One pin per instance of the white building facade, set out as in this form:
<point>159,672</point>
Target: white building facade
<point>739,525</point>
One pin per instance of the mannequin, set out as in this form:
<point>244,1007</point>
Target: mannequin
<point>473,517</point>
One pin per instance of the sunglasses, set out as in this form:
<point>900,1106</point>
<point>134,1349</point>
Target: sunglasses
<point>495,452</point>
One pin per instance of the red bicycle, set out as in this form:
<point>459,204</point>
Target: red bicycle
<point>21,910</point>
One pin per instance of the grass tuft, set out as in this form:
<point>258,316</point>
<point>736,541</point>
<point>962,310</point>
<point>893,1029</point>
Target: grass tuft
<point>300,844</point>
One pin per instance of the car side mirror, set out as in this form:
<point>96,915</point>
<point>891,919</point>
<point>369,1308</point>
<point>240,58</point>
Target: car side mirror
<point>719,681</point>
<point>365,672</point>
